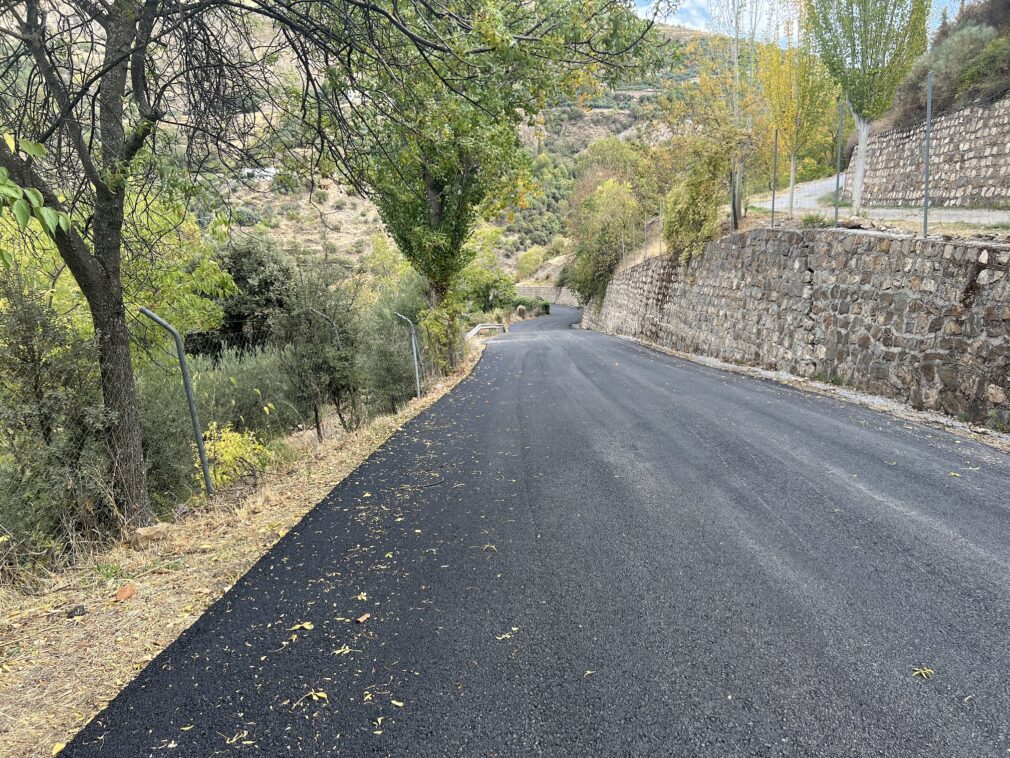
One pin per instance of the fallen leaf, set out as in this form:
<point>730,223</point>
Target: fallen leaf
<point>363,618</point>
<point>125,592</point>
<point>307,625</point>
<point>185,728</point>
<point>58,747</point>
<point>923,673</point>
<point>361,596</point>
<point>954,473</point>
<point>397,703</point>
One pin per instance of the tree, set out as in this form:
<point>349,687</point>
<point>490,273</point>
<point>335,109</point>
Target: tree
<point>798,87</point>
<point>94,94</point>
<point>739,20</point>
<point>868,47</point>
<point>484,284</point>
<point>317,338</point>
<point>436,161</point>
<point>601,228</point>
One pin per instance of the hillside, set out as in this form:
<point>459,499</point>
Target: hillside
<point>327,226</point>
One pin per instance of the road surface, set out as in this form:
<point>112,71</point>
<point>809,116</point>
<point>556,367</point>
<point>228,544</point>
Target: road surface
<point>589,548</point>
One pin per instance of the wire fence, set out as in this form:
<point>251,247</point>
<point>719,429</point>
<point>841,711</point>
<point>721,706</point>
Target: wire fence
<point>916,209</point>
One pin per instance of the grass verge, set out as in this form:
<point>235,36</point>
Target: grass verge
<point>69,647</point>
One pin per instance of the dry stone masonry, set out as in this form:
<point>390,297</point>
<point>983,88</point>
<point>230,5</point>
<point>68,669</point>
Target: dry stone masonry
<point>969,167</point>
<point>553,295</point>
<point>924,321</point>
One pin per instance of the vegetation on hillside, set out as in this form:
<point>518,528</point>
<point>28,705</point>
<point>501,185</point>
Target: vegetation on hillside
<point>970,61</point>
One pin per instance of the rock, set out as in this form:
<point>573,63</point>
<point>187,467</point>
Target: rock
<point>125,592</point>
<point>76,611</point>
<point>145,535</point>
<point>995,394</point>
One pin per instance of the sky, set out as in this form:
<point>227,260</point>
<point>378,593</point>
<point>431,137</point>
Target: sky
<point>695,13</point>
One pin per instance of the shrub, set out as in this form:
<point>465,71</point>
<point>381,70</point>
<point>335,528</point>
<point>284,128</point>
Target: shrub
<point>691,213</point>
<point>959,74</point>
<point>604,219</point>
<point>263,276</point>
<point>529,262</point>
<point>246,216</point>
<point>55,484</point>
<point>246,391</point>
<point>535,306</point>
<point>815,221</point>
<point>232,456</point>
<point>988,75</point>
<point>319,197</point>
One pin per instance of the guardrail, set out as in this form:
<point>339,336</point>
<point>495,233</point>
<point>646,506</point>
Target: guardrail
<point>484,327</point>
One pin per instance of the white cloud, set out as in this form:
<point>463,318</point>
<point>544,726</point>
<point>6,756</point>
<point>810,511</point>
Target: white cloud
<point>692,14</point>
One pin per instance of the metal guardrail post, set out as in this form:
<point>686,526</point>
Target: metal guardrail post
<point>413,352</point>
<point>188,385</point>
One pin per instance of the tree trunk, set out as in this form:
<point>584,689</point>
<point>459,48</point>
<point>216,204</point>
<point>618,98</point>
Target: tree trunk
<point>119,392</point>
<point>863,131</point>
<point>792,182</point>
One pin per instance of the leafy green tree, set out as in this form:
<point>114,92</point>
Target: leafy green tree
<point>484,284</point>
<point>437,160</point>
<point>601,227</point>
<point>318,337</point>
<point>691,215</point>
<point>265,279</point>
<point>868,47</point>
<point>93,95</point>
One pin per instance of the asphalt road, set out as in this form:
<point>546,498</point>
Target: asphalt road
<point>589,548</point>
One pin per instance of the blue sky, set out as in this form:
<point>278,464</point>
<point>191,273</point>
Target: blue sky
<point>695,13</point>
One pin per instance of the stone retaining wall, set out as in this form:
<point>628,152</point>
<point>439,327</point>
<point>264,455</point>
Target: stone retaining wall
<point>553,295</point>
<point>969,167</point>
<point>922,321</point>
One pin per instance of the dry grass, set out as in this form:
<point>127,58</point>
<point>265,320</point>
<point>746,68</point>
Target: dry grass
<point>57,673</point>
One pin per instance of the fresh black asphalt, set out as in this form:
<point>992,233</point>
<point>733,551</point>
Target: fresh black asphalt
<point>590,548</point>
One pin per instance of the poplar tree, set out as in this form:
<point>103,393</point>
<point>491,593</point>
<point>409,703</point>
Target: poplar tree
<point>798,89</point>
<point>868,46</point>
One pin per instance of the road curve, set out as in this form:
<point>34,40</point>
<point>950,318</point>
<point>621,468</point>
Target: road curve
<point>589,548</point>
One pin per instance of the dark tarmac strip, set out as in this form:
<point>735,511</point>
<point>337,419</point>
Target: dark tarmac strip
<point>590,548</point>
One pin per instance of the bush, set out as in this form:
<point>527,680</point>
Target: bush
<point>691,214</point>
<point>246,216</point>
<point>529,262</point>
<point>600,225</point>
<point>263,276</point>
<point>988,76</point>
<point>535,306</point>
<point>245,391</point>
<point>970,62</point>
<point>232,456</point>
<point>815,221</point>
<point>55,484</point>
